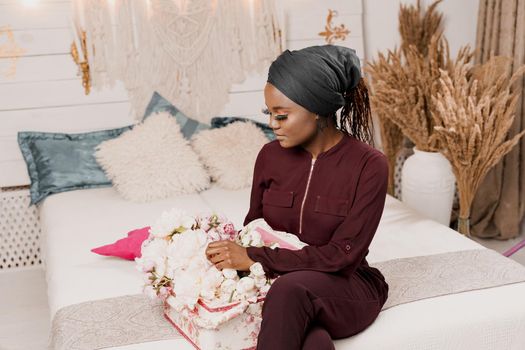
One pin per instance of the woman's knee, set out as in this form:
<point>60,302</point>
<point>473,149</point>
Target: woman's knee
<point>288,285</point>
<point>289,292</point>
<point>317,338</point>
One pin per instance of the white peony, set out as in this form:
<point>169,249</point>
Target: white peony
<point>185,245</point>
<point>144,265</point>
<point>160,266</point>
<point>211,282</point>
<point>177,270</point>
<point>154,248</point>
<point>170,222</point>
<point>187,286</point>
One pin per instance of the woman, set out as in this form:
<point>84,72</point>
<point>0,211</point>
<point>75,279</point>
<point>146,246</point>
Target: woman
<point>328,186</point>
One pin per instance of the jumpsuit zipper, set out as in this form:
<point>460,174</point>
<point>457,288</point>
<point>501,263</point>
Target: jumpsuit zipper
<point>304,198</point>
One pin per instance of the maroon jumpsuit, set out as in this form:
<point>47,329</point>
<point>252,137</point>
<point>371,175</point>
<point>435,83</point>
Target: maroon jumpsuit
<point>334,203</point>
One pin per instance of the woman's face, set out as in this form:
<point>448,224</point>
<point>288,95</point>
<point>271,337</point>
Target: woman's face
<point>292,124</point>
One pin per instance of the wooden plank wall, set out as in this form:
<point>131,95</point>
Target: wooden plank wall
<point>46,94</point>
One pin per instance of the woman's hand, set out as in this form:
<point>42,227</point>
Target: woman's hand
<point>229,255</point>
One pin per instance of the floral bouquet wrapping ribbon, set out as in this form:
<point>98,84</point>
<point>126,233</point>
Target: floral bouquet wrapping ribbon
<point>206,305</point>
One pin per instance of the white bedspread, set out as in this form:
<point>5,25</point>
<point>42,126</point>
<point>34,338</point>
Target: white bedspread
<point>74,222</point>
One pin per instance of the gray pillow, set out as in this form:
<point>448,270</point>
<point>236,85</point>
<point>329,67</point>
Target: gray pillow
<point>188,126</point>
<point>219,122</point>
<point>58,162</point>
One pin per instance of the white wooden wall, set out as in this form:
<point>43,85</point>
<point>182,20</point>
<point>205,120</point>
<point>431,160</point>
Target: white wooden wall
<point>47,95</point>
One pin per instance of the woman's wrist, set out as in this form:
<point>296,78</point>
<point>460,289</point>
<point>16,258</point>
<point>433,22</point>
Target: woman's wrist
<point>249,261</point>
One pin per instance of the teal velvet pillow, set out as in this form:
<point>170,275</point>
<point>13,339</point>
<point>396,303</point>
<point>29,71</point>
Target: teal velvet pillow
<point>188,126</point>
<point>219,122</point>
<point>58,162</point>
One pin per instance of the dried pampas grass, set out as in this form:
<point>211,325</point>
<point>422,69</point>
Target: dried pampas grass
<point>417,27</point>
<point>475,107</point>
<point>404,84</point>
<point>403,80</point>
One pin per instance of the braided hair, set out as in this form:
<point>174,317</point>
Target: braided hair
<point>356,114</point>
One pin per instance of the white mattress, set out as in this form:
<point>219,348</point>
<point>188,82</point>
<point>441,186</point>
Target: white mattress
<point>74,222</point>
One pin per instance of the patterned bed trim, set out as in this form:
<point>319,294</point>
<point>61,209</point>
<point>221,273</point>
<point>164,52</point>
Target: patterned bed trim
<point>429,276</point>
<point>132,319</point>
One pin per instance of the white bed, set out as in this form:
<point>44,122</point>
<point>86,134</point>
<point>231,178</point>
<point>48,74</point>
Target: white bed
<point>74,222</point>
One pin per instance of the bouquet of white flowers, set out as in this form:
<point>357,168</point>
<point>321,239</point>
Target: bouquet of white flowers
<point>198,296</point>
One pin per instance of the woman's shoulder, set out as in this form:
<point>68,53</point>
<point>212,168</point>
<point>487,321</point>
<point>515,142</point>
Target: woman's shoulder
<point>365,152</point>
<point>268,147</point>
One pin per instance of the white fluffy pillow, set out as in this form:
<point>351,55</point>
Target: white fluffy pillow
<point>229,153</point>
<point>152,161</point>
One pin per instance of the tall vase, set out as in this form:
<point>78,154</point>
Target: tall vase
<point>427,185</point>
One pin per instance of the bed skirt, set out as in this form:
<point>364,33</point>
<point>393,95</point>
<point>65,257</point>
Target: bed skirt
<point>132,319</point>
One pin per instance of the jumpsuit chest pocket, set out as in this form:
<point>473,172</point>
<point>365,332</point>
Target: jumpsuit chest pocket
<point>278,198</point>
<point>331,205</point>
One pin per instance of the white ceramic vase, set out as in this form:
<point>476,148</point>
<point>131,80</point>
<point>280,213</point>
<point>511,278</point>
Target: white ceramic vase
<point>428,184</point>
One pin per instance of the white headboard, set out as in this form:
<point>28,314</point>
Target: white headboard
<point>45,93</point>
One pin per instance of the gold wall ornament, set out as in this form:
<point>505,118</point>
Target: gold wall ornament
<point>82,63</point>
<point>9,50</point>
<point>332,32</point>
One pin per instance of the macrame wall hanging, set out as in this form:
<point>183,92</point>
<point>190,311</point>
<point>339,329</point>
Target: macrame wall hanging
<point>190,51</point>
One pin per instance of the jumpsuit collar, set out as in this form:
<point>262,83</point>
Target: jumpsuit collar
<point>329,151</point>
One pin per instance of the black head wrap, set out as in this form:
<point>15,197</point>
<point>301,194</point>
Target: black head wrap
<point>316,77</point>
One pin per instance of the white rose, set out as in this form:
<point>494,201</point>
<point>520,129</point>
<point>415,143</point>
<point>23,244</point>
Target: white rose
<point>259,282</point>
<point>264,289</point>
<point>227,287</point>
<point>250,297</point>
<point>245,285</point>
<point>224,298</point>
<point>246,239</point>
<point>254,309</point>
<point>230,273</point>
<point>257,240</point>
<point>257,269</point>
<point>212,279</point>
